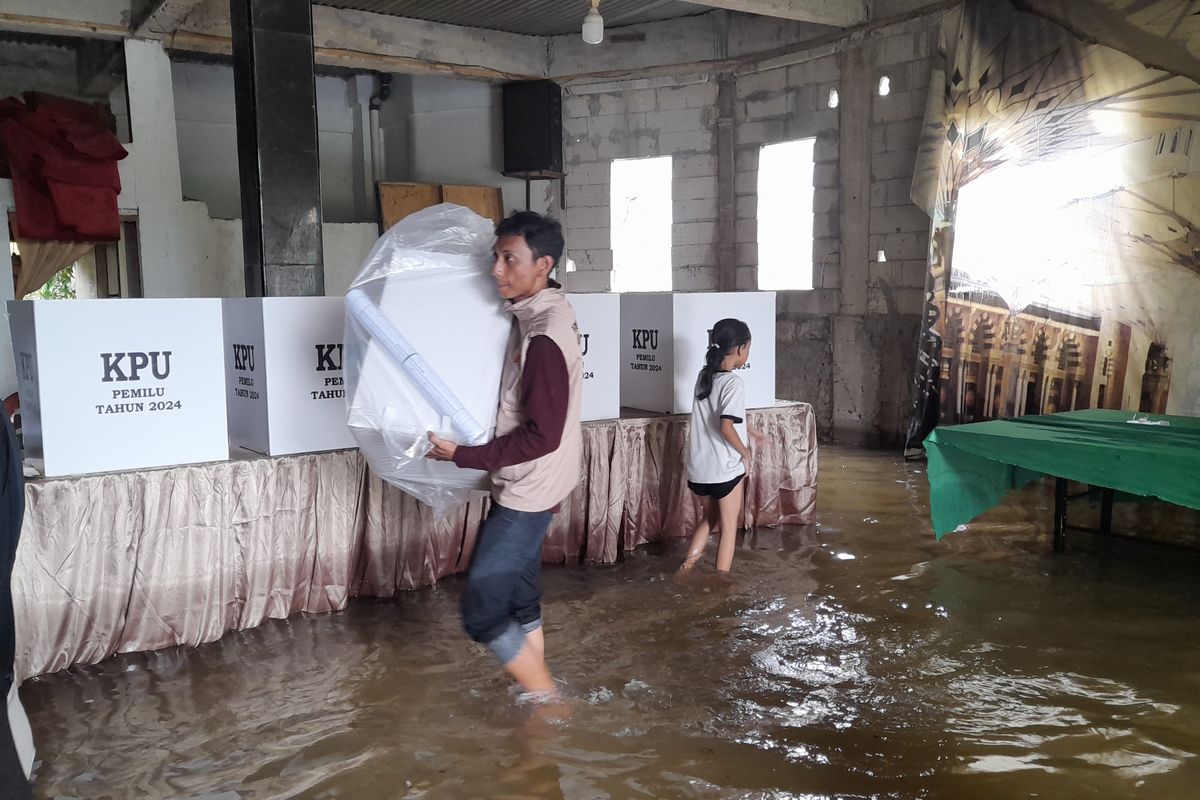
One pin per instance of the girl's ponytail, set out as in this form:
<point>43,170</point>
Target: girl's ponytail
<point>725,337</point>
<point>712,359</point>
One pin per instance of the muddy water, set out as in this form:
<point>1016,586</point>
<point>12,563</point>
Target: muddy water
<point>856,658</point>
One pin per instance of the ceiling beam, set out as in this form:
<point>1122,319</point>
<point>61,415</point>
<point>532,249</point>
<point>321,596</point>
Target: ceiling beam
<point>91,20</point>
<point>341,38</point>
<point>839,13</point>
<point>162,18</point>
<point>1115,27</point>
<point>365,41</point>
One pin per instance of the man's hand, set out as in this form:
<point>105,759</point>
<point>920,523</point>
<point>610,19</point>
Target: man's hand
<point>442,449</point>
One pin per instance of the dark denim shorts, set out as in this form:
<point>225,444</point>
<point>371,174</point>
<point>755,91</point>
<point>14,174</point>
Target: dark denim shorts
<point>504,585</point>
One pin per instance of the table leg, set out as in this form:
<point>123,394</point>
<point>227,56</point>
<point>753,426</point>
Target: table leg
<point>1106,508</point>
<point>1060,514</point>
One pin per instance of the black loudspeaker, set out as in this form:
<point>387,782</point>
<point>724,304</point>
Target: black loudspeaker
<point>532,129</point>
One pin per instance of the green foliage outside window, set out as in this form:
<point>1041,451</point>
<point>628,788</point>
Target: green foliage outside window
<point>60,287</point>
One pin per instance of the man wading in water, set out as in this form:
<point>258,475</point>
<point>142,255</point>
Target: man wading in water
<point>534,460</point>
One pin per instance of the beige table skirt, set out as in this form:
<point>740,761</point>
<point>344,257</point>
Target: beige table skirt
<point>144,560</point>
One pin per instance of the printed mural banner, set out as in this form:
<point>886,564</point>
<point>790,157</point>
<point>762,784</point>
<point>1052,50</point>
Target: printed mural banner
<point>1063,183</point>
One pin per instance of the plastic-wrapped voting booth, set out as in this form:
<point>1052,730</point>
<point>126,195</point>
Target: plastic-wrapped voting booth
<point>424,347</point>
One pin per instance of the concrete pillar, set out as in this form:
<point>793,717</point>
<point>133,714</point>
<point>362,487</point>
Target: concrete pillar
<point>395,116</point>
<point>855,359</point>
<point>361,87</point>
<point>157,191</point>
<point>278,149</point>
<point>726,186</point>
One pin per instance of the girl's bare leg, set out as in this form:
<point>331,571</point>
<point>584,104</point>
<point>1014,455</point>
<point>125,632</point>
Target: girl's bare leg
<point>707,524</point>
<point>730,507</point>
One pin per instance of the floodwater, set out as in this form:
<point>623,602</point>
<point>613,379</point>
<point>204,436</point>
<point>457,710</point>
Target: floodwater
<point>857,658</point>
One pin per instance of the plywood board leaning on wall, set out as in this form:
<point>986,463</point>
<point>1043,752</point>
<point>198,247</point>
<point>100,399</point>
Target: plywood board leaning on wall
<point>486,201</point>
<point>398,200</point>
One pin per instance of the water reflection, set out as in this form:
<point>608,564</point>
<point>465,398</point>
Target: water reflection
<point>981,666</point>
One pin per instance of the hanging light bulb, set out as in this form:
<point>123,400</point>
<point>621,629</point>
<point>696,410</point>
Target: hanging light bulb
<point>593,25</point>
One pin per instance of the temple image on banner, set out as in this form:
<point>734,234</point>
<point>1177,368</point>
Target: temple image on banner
<point>1041,361</point>
<point>1063,180</point>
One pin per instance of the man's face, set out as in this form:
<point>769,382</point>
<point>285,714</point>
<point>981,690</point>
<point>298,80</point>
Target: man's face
<point>518,274</point>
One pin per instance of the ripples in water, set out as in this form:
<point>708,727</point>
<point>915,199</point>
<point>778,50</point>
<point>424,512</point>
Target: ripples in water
<point>855,659</point>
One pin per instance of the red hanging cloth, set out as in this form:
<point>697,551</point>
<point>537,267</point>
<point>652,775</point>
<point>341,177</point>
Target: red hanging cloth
<point>62,158</point>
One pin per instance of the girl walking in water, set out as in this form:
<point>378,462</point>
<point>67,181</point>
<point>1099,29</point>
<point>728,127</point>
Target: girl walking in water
<point>718,455</point>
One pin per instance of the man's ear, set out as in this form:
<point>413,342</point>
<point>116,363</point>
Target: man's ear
<point>545,264</point>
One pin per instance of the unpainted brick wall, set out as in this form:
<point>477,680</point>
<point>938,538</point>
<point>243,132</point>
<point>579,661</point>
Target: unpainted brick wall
<point>677,116</point>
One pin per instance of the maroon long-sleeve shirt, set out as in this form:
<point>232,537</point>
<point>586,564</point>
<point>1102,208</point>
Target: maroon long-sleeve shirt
<point>545,392</point>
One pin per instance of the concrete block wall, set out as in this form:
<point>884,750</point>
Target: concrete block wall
<point>898,227</point>
<point>782,100</point>
<point>641,119</point>
<point>896,287</point>
<point>785,103</point>
<point>778,105</point>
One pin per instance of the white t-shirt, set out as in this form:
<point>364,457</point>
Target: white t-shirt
<point>711,459</point>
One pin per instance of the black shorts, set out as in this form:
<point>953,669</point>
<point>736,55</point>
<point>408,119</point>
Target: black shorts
<point>715,490</point>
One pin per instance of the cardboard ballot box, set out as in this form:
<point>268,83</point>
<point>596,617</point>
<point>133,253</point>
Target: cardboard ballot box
<point>283,367</point>
<point>664,337</point>
<point>110,385</point>
<point>599,318</point>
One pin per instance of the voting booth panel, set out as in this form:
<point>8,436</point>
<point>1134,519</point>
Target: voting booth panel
<point>283,359</point>
<point>110,385</point>
<point>664,337</point>
<point>599,320</point>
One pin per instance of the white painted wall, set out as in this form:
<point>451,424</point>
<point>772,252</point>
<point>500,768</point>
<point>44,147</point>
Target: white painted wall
<point>206,124</point>
<point>436,130</point>
<point>345,247</point>
<point>207,133</point>
<point>182,255</point>
<point>185,253</point>
<point>455,135</point>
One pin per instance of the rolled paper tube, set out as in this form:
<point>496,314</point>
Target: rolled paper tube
<point>423,376</point>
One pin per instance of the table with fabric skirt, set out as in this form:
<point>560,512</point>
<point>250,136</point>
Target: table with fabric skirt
<point>132,561</point>
<point>972,466</point>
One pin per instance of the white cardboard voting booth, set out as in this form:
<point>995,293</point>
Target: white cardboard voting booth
<point>283,368</point>
<point>664,337</point>
<point>599,318</point>
<point>110,385</point>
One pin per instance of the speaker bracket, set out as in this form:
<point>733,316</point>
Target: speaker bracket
<point>542,175</point>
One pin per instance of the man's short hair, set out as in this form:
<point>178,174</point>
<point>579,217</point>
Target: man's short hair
<point>543,234</point>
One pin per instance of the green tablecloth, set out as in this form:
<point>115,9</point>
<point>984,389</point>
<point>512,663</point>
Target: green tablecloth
<point>971,467</point>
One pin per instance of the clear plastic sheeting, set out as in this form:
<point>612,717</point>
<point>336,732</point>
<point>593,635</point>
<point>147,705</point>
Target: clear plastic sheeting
<point>424,348</point>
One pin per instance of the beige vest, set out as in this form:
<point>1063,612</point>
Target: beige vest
<point>543,483</point>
